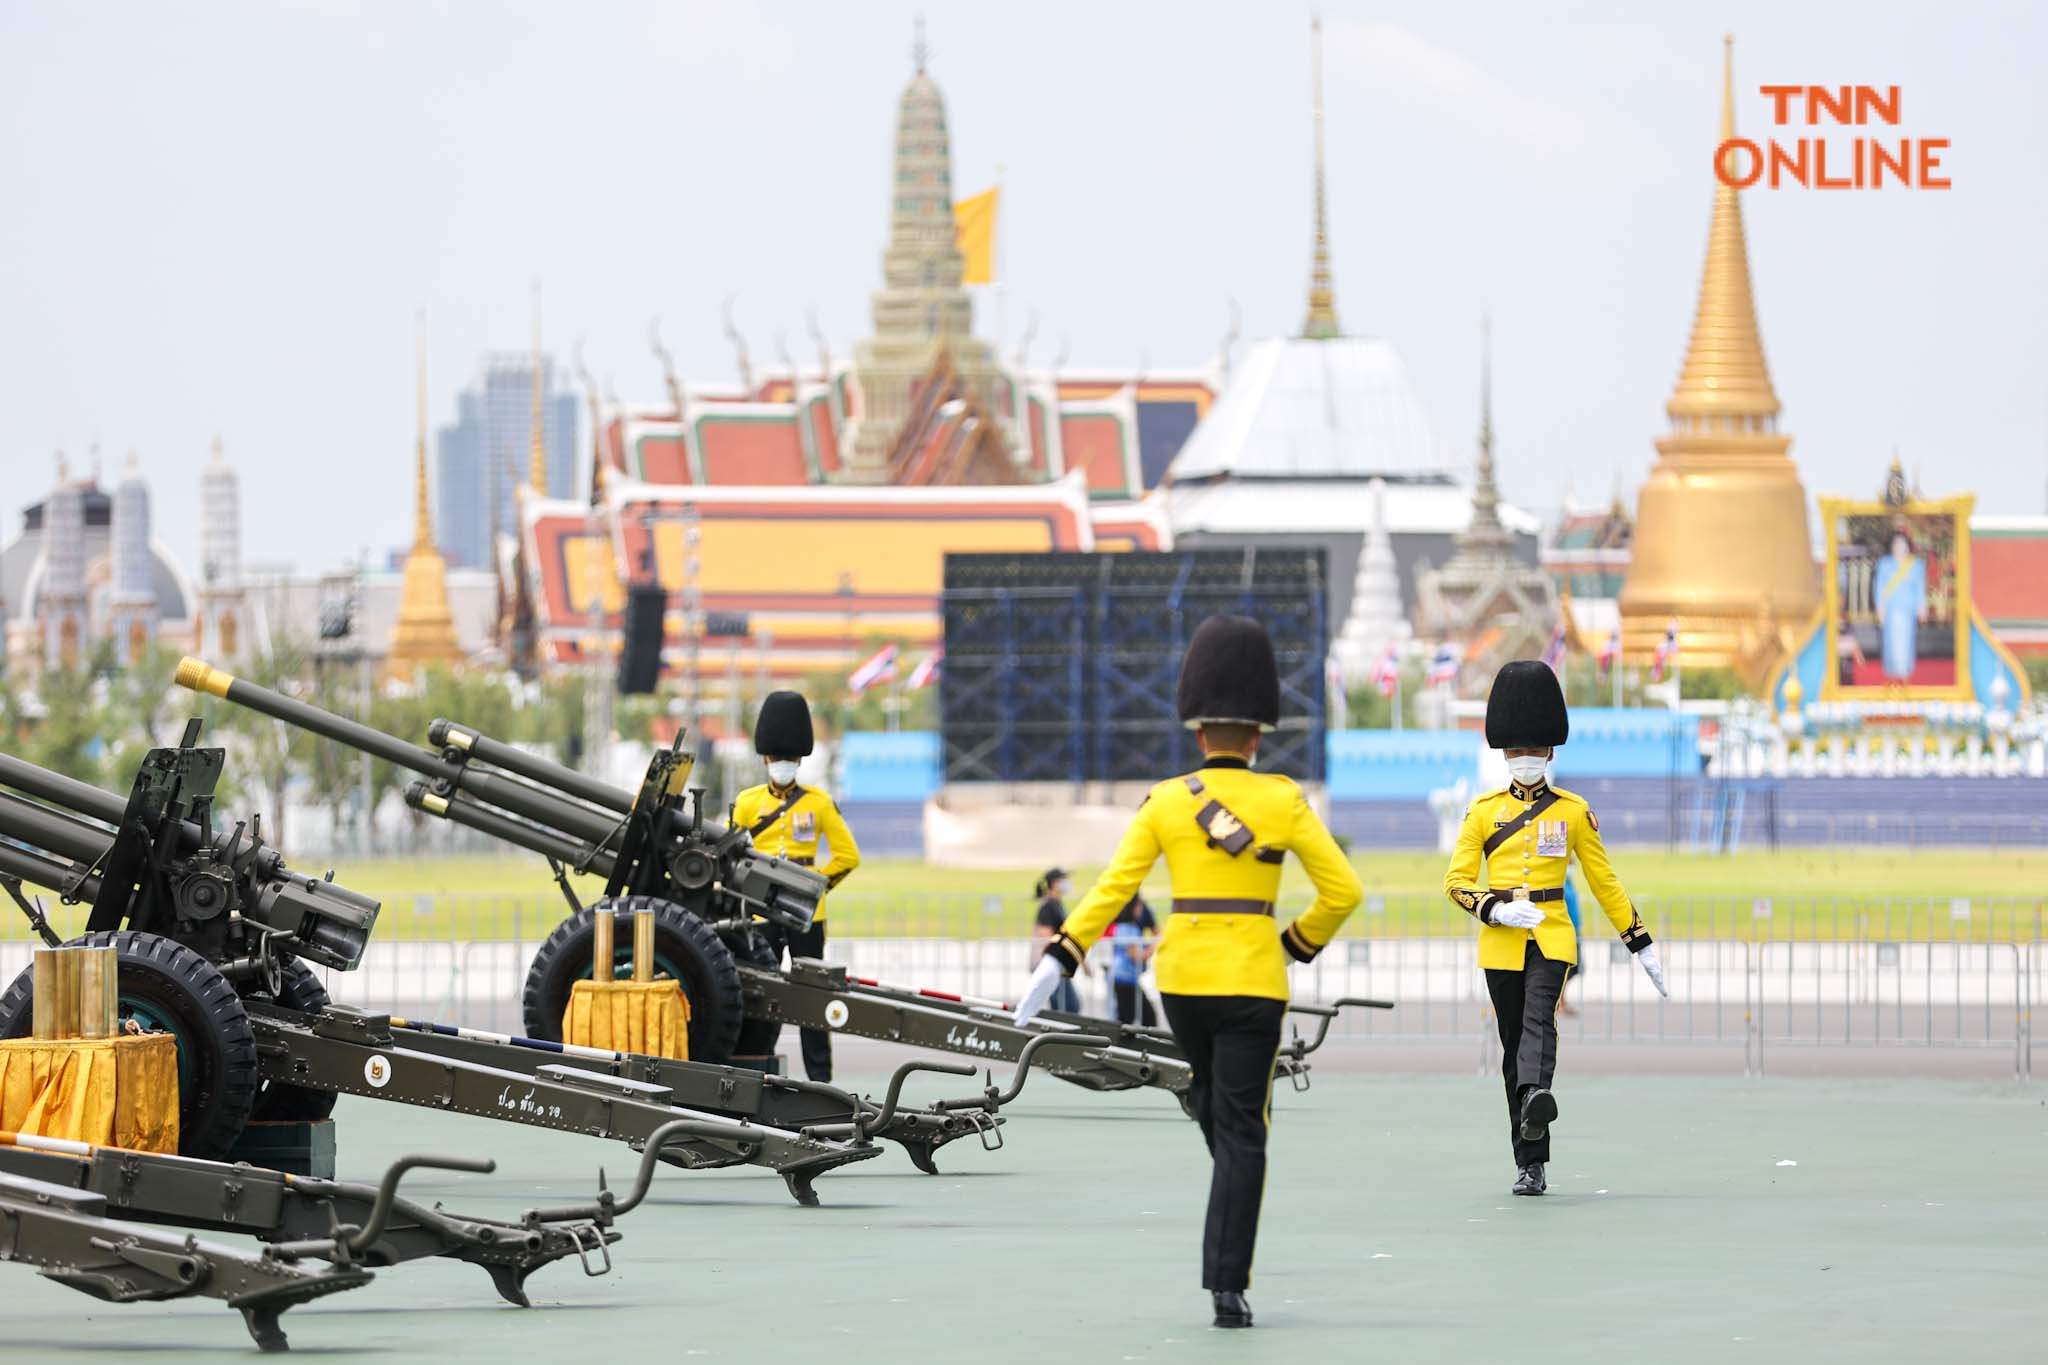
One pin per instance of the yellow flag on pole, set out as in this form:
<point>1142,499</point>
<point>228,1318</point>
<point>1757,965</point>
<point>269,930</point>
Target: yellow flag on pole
<point>974,227</point>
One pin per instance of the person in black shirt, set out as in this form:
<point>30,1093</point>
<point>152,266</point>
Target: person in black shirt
<point>1051,891</point>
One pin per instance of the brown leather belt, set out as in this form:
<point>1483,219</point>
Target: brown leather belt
<point>800,859</point>
<point>1220,905</point>
<point>1548,893</point>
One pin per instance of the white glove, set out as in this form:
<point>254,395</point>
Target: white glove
<point>1045,979</point>
<point>1517,914</point>
<point>1648,957</point>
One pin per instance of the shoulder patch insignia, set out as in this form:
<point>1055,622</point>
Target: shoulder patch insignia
<point>1592,819</point>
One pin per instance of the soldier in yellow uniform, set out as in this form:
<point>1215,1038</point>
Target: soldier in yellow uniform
<point>790,821</point>
<point>1524,836</point>
<point>1224,831</point>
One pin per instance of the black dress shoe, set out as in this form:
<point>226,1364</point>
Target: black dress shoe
<point>1529,1180</point>
<point>1231,1309</point>
<point>1539,1111</point>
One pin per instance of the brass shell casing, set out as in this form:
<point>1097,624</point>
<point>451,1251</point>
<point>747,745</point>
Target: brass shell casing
<point>643,943</point>
<point>603,944</point>
<point>46,1009</point>
<point>99,992</point>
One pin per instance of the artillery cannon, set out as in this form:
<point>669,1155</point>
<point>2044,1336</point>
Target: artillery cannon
<point>707,885</point>
<point>216,937</point>
<point>61,1203</point>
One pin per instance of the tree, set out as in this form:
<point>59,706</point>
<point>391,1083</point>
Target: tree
<point>267,753</point>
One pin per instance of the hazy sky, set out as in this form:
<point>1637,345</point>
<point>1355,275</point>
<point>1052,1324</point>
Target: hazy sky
<point>221,217</point>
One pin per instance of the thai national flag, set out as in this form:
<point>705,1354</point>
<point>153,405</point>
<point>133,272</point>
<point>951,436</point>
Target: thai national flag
<point>1610,651</point>
<point>1444,667</point>
<point>927,671</point>
<point>1667,650</point>
<point>1390,671</point>
<point>1554,653</point>
<point>881,668</point>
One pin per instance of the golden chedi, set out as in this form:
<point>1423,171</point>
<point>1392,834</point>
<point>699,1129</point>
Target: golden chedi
<point>1721,541</point>
<point>424,632</point>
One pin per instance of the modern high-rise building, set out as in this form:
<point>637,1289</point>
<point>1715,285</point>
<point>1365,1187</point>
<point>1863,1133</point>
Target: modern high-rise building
<point>486,453</point>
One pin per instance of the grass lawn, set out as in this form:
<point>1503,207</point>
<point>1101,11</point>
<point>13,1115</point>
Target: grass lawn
<point>1816,893</point>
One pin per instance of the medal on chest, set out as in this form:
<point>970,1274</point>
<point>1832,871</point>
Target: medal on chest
<point>1551,839</point>
<point>803,826</point>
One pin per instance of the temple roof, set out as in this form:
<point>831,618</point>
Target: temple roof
<point>1439,506</point>
<point>1302,408</point>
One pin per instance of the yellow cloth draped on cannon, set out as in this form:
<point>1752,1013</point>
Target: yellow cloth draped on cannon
<point>648,1017</point>
<point>112,1092</point>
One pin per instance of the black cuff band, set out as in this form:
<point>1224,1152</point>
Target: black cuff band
<point>1298,947</point>
<point>1065,951</point>
<point>1487,903</point>
<point>1636,937</point>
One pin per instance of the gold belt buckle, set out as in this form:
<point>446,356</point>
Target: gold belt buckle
<point>1521,893</point>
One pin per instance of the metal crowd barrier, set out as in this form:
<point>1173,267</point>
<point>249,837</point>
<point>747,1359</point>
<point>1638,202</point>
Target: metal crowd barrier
<point>1766,976</point>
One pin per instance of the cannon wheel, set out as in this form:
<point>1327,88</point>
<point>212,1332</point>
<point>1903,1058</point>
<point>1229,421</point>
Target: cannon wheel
<point>279,1102</point>
<point>685,949</point>
<point>169,988</point>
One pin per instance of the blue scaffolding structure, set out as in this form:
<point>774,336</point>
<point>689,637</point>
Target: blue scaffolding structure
<point>1062,667</point>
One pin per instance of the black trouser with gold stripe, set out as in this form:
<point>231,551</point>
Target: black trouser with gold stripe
<point>817,1043</point>
<point>1231,1042</point>
<point>1525,1008</point>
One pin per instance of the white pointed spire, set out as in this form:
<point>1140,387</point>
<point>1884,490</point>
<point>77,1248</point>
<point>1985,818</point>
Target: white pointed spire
<point>1375,620</point>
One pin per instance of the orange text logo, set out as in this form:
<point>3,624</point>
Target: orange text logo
<point>1813,160</point>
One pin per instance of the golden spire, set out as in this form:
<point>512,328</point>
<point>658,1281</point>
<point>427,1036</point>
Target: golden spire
<point>537,454</point>
<point>422,517</point>
<point>1321,323</point>
<point>424,632</point>
<point>1724,374</point>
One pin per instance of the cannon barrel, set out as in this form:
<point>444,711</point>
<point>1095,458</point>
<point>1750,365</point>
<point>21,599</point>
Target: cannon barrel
<point>53,830</point>
<point>555,810</point>
<point>67,792</point>
<point>460,809</point>
<point>55,845</point>
<point>199,676</point>
<point>448,734</point>
<point>39,870</point>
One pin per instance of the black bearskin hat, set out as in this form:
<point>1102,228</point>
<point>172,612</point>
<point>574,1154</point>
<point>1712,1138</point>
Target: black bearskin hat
<point>783,729</point>
<point>1525,710</point>
<point>1228,675</point>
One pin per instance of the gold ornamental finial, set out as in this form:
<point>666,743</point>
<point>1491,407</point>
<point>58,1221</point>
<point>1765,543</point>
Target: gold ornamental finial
<point>1725,379</point>
<point>537,454</point>
<point>1321,322</point>
<point>423,520</point>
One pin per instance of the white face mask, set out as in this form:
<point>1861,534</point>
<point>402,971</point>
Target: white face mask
<point>782,772</point>
<point>1529,769</point>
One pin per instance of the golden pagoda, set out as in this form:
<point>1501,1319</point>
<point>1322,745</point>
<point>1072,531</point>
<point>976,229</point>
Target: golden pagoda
<point>1721,543</point>
<point>425,630</point>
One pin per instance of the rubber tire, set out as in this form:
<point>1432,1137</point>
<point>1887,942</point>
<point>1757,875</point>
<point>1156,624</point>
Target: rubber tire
<point>213,1032</point>
<point>280,1101</point>
<point>710,979</point>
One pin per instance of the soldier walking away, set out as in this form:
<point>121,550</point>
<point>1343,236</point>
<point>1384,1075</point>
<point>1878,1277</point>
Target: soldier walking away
<point>790,821</point>
<point>1224,831</point>
<point>1524,836</point>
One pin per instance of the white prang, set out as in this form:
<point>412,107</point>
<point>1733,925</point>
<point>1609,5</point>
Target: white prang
<point>1375,621</point>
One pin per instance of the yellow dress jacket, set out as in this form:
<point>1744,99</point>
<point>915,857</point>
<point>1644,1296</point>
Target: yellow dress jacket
<point>1534,856</point>
<point>1222,938</point>
<point>796,832</point>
